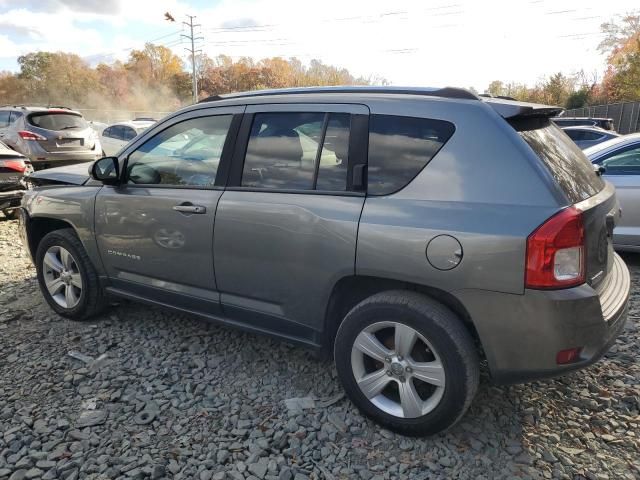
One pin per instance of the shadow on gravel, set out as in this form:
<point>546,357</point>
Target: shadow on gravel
<point>180,394</point>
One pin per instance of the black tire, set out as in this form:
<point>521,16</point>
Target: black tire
<point>442,329</point>
<point>92,300</point>
<point>11,213</point>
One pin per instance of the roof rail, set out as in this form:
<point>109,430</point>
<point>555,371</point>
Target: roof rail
<point>446,92</point>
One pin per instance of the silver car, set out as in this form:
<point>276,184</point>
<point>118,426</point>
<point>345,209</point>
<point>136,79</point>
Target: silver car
<point>620,162</point>
<point>410,233</point>
<point>49,137</point>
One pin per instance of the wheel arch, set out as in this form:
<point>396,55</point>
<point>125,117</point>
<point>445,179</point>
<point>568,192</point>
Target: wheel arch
<point>37,227</point>
<point>351,290</point>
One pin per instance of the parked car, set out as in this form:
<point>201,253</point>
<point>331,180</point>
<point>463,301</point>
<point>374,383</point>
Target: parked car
<point>13,169</point>
<point>604,123</point>
<point>398,253</point>
<point>117,135</point>
<point>620,161</point>
<point>586,137</point>
<point>49,137</point>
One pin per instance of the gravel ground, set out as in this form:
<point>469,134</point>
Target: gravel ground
<point>154,394</point>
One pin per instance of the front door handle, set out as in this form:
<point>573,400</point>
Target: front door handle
<point>189,208</point>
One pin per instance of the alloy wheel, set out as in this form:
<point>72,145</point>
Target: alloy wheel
<point>397,369</point>
<point>62,276</point>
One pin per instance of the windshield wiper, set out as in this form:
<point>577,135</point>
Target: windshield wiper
<point>70,126</point>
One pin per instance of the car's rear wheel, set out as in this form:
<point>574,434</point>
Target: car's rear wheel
<point>67,278</point>
<point>407,362</point>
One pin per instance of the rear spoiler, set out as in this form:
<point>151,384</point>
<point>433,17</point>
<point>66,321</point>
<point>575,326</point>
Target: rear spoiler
<point>512,110</point>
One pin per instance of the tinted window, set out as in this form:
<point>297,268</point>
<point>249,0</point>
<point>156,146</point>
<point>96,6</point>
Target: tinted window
<point>57,121</point>
<point>4,118</point>
<point>108,132</point>
<point>575,134</point>
<point>592,136</point>
<point>15,116</point>
<point>623,163</point>
<point>399,147</point>
<point>332,170</point>
<point>128,133</point>
<point>168,159</point>
<point>284,150</point>
<point>564,159</point>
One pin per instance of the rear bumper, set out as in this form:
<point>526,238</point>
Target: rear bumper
<point>11,199</point>
<point>522,334</point>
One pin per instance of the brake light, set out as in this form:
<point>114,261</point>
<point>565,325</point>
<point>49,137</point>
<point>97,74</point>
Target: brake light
<point>25,135</point>
<point>556,252</point>
<point>17,165</point>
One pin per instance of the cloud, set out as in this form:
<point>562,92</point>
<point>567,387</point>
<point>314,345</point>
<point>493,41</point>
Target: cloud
<point>100,7</point>
<point>239,23</point>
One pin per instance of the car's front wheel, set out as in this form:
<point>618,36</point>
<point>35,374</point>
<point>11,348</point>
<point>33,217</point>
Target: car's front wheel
<point>407,362</point>
<point>67,278</point>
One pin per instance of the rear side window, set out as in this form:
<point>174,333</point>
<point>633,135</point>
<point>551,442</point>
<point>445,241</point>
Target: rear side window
<point>400,147</point>
<point>298,151</point>
<point>572,171</point>
<point>4,118</point>
<point>58,121</point>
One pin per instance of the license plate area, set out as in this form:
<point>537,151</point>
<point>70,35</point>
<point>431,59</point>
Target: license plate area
<point>70,142</point>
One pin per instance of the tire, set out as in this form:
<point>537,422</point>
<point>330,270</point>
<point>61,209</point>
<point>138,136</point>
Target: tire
<point>86,298</point>
<point>407,404</point>
<point>11,213</point>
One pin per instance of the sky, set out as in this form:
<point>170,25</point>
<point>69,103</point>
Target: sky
<point>462,43</point>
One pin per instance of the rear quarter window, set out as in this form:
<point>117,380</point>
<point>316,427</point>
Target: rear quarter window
<point>568,165</point>
<point>400,147</point>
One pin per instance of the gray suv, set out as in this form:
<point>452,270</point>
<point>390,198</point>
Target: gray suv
<point>49,136</point>
<point>414,233</point>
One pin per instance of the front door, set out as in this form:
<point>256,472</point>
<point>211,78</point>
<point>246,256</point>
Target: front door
<point>155,230</point>
<point>287,224</point>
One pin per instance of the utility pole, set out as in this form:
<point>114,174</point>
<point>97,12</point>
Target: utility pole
<point>192,50</point>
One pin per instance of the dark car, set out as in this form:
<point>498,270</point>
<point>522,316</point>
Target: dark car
<point>586,137</point>
<point>49,137</point>
<point>13,169</point>
<point>604,123</point>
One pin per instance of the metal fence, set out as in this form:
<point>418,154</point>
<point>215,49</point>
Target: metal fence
<point>625,115</point>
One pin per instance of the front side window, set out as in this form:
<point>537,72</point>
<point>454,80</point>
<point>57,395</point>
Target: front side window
<point>400,147</point>
<point>170,158</point>
<point>299,151</point>
<point>623,163</point>
<point>128,133</point>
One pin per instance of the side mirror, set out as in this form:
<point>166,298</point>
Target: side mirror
<point>106,170</point>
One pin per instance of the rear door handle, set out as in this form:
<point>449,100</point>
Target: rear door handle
<point>189,208</point>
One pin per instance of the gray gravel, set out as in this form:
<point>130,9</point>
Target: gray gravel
<point>148,393</point>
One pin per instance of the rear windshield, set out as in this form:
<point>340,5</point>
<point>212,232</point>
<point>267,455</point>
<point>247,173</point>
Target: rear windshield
<point>58,121</point>
<point>564,159</point>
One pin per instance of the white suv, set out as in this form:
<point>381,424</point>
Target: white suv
<point>117,135</point>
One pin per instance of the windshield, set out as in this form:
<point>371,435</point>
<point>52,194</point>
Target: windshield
<point>565,161</point>
<point>58,121</point>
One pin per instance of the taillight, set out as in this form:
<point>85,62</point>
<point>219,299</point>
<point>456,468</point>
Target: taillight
<point>556,252</point>
<point>25,135</point>
<point>17,165</point>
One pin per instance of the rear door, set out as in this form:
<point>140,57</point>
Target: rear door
<point>155,230</point>
<point>286,225</point>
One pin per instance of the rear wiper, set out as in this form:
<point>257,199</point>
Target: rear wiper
<point>70,126</point>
